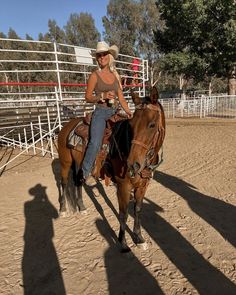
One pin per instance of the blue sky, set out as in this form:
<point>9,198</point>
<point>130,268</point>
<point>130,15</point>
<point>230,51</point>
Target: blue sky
<point>31,16</point>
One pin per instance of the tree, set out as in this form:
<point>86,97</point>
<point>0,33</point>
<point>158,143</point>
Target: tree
<point>80,30</point>
<point>131,25</point>
<point>203,29</point>
<point>12,34</point>
<point>2,35</point>
<point>122,24</point>
<point>55,33</point>
<point>149,23</point>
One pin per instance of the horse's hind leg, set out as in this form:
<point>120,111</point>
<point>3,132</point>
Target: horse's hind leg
<point>138,202</point>
<point>65,168</point>
<point>78,186</point>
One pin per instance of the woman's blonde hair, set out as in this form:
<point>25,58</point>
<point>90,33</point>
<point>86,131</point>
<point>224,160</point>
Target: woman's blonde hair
<point>112,66</point>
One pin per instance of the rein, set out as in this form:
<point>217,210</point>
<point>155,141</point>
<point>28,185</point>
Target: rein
<point>140,143</point>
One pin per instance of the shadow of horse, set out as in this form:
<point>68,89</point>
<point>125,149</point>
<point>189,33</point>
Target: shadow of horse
<point>125,276</point>
<point>95,200</point>
<point>203,276</point>
<point>217,213</point>
<point>40,265</point>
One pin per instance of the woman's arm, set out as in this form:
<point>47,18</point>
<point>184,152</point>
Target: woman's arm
<point>123,102</point>
<point>89,96</point>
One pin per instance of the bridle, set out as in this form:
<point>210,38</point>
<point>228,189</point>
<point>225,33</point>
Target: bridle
<point>150,149</point>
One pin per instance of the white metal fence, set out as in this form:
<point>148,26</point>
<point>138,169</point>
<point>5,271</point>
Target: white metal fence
<point>202,107</point>
<point>42,85</point>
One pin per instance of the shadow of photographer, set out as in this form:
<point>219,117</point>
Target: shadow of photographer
<point>40,265</point>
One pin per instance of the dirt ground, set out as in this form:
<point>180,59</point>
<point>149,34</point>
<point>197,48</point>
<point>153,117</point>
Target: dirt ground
<point>188,221</point>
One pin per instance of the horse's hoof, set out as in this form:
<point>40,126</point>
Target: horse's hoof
<point>63,214</point>
<point>125,249</point>
<point>96,192</point>
<point>90,181</point>
<point>142,246</point>
<point>128,255</point>
<point>84,212</point>
<point>81,207</point>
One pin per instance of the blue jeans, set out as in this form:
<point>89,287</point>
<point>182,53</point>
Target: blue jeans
<point>97,127</point>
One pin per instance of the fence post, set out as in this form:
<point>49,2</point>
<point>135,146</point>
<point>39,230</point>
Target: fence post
<point>201,107</point>
<point>32,134</point>
<point>173,107</point>
<point>50,133</point>
<point>145,69</point>
<point>57,69</point>
<point>58,109</point>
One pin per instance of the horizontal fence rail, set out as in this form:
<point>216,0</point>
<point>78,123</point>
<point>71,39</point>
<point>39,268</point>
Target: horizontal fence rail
<point>42,86</point>
<point>223,106</point>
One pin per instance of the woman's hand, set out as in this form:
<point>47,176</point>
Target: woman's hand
<point>108,95</point>
<point>129,115</point>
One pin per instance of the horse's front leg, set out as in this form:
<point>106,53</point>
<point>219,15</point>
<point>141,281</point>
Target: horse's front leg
<point>123,199</point>
<point>123,214</point>
<point>138,203</point>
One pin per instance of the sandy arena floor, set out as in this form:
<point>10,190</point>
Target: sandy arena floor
<point>189,219</point>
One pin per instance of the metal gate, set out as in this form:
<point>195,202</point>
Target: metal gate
<point>42,85</point>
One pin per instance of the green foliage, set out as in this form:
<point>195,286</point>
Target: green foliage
<point>150,21</point>
<point>130,25</point>
<point>205,30</point>
<point>80,30</point>
<point>55,33</point>
<point>194,39</point>
<point>122,24</point>
<point>2,35</point>
<point>12,34</point>
<point>188,64</point>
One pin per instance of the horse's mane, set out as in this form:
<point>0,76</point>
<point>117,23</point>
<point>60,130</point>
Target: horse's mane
<point>121,139</point>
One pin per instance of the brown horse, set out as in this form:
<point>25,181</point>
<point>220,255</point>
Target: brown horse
<point>132,162</point>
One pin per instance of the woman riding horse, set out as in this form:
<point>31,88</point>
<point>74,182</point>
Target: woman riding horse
<point>105,82</point>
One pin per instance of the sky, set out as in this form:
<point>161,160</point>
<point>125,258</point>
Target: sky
<point>31,16</point>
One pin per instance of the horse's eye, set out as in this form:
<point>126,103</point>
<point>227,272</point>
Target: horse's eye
<point>151,125</point>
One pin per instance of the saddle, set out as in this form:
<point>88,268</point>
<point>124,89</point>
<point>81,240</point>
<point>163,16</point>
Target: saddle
<point>79,137</point>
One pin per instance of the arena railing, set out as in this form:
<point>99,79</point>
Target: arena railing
<point>42,85</point>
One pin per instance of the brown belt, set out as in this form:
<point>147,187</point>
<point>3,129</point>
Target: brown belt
<point>101,103</point>
<point>106,104</point>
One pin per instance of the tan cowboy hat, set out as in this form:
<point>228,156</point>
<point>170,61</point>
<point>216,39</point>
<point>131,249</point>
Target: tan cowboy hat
<point>102,46</point>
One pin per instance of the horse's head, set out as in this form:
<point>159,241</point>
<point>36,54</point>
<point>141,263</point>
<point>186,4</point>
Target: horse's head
<point>148,131</point>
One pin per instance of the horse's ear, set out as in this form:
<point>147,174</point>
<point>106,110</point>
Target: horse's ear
<point>135,97</point>
<point>154,96</point>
